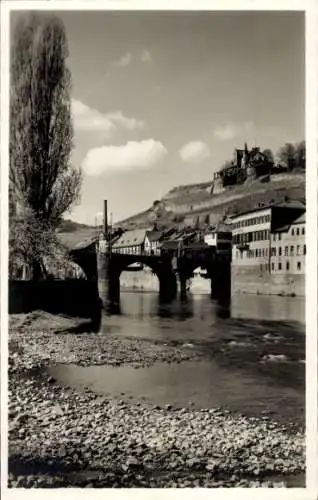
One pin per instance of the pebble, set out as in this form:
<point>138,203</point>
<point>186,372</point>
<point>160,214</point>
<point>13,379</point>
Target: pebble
<point>52,425</point>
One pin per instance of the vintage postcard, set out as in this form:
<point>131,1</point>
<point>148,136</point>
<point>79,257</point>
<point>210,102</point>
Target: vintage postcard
<point>159,248</point>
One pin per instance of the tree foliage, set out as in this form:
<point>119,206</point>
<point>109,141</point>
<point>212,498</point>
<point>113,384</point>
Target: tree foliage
<point>41,175</point>
<point>40,119</point>
<point>32,245</point>
<point>293,155</point>
<point>269,155</point>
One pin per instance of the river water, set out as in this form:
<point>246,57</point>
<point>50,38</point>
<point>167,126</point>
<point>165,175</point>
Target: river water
<point>259,367</point>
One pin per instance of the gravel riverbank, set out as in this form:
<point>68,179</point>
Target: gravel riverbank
<point>60,437</point>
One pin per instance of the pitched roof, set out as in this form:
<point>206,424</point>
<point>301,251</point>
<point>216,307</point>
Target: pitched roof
<point>285,204</point>
<point>131,238</point>
<point>290,204</point>
<point>301,219</point>
<point>154,235</point>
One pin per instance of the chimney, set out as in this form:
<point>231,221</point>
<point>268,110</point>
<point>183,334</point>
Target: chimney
<point>105,218</point>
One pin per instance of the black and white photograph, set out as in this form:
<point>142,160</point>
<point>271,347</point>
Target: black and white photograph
<point>157,248</point>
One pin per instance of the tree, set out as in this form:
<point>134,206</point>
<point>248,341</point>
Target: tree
<point>268,153</point>
<point>40,123</point>
<point>34,246</point>
<point>287,156</point>
<point>301,155</point>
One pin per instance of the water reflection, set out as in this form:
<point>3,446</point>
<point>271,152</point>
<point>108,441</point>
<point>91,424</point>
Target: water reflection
<point>143,315</point>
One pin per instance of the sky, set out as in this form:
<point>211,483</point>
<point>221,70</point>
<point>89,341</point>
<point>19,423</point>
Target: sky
<point>162,99</point>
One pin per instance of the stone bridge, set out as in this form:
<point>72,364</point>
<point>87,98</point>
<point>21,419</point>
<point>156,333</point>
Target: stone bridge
<point>170,267</point>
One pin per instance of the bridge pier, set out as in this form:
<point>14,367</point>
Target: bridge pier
<point>167,285</point>
<point>221,280</point>
<point>108,281</point>
<point>183,286</point>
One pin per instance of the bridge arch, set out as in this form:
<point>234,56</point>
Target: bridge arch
<point>142,277</point>
<point>115,263</point>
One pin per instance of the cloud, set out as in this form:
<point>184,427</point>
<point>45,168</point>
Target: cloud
<point>131,156</point>
<point>124,60</point>
<point>125,122</point>
<point>92,120</point>
<point>195,151</point>
<point>146,57</point>
<point>231,130</point>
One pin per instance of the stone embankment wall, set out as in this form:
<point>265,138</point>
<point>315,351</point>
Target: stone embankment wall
<point>139,280</point>
<point>243,281</point>
<point>148,282</point>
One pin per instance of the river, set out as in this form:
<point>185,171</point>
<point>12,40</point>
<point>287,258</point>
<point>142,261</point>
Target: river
<point>257,347</point>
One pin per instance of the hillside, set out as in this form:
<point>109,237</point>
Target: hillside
<point>71,233</point>
<point>69,226</point>
<point>198,204</point>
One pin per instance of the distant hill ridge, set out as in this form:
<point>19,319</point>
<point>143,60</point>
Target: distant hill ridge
<point>190,205</point>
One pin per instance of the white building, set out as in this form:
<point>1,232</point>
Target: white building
<point>269,242</point>
<point>288,248</point>
<point>220,237</point>
<point>152,242</point>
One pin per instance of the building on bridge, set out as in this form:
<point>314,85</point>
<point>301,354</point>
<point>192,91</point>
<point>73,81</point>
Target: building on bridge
<point>220,237</point>
<point>131,242</point>
<point>176,241</point>
<point>152,242</point>
<point>269,248</point>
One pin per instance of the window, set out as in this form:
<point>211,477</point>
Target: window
<point>256,252</point>
<point>293,232</point>
<point>302,230</point>
<point>273,252</point>
<point>279,251</point>
<point>304,249</point>
<point>298,249</point>
<point>297,231</point>
<point>261,268</point>
<point>279,266</point>
<point>273,266</point>
<point>286,251</point>
<point>279,236</point>
<point>298,266</point>
<point>287,266</point>
<point>274,237</point>
<point>291,250</point>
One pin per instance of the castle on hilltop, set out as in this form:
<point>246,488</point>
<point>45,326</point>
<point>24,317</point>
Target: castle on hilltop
<point>246,164</point>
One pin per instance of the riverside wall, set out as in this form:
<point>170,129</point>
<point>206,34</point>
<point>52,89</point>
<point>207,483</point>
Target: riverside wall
<point>139,280</point>
<point>148,282</point>
<point>244,281</point>
<point>73,297</point>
